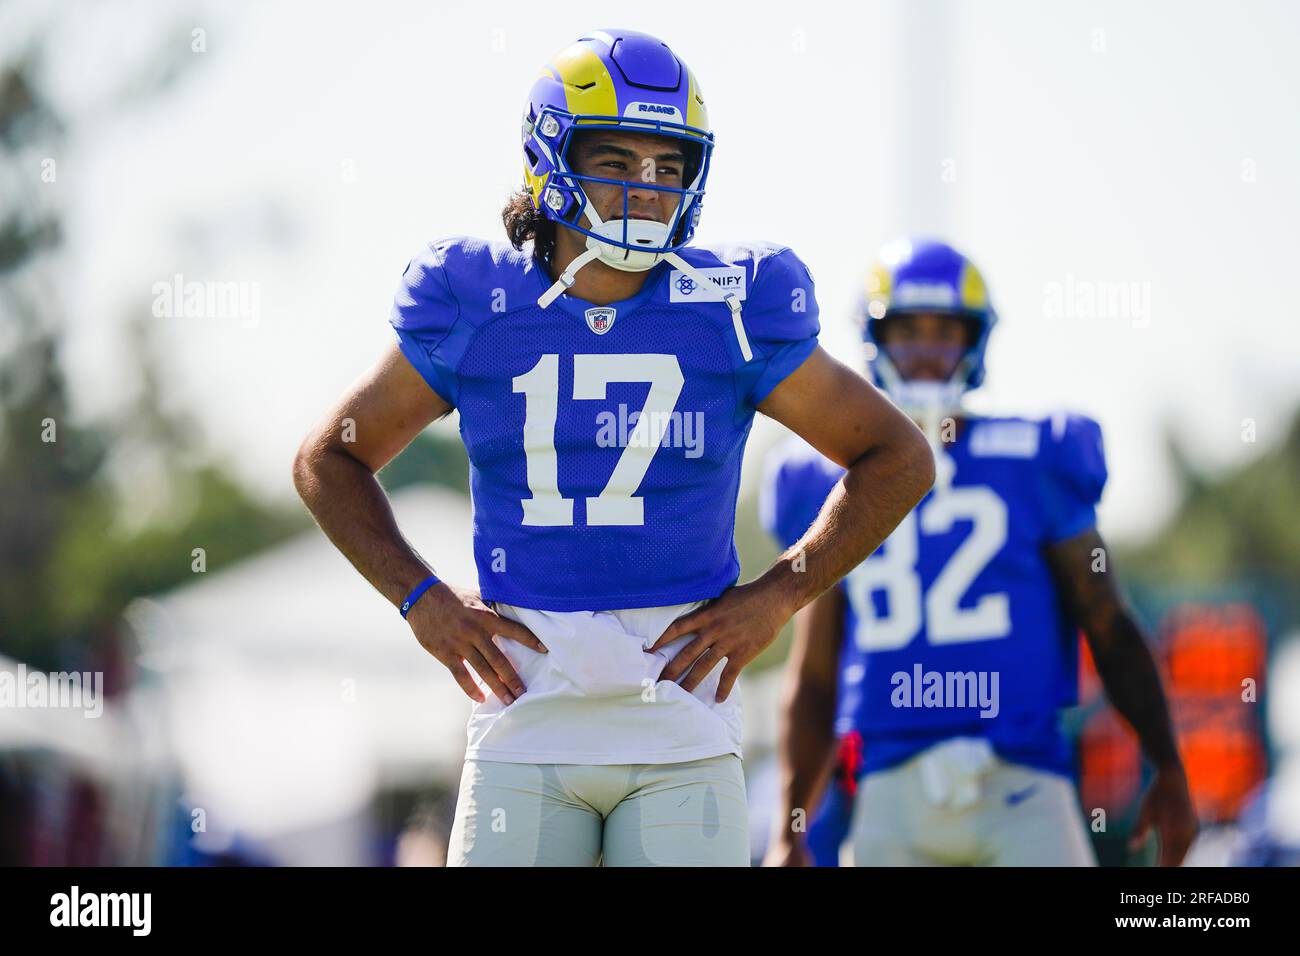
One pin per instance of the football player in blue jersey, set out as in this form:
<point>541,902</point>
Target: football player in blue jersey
<point>606,374</point>
<point>942,662</point>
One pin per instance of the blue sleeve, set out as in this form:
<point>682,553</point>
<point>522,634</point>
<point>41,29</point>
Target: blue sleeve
<point>1074,475</point>
<point>780,318</point>
<point>424,313</point>
<point>791,497</point>
<point>774,501</point>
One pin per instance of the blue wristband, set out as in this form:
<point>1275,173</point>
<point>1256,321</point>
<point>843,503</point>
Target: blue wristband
<point>418,593</point>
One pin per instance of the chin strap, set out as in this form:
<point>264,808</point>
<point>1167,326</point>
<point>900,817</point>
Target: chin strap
<point>566,278</point>
<point>730,298</point>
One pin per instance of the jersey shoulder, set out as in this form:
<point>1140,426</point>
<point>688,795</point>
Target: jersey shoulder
<point>448,290</point>
<point>1075,453</point>
<point>460,278</point>
<point>1061,440</point>
<point>779,313</point>
<point>1064,460</point>
<point>771,271</point>
<point>748,254</point>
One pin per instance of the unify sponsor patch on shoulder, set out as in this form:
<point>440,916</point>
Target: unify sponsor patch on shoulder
<point>683,288</point>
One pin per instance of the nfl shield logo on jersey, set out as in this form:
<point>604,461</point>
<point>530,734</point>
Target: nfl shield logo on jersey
<point>599,320</point>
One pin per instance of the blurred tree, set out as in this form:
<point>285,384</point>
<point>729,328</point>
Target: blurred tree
<point>1240,524</point>
<point>44,458</point>
<point>69,563</point>
<point>70,557</point>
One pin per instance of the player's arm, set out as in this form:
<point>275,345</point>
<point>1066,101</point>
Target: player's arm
<point>890,468</point>
<point>334,472</point>
<point>1132,682</point>
<point>806,738</point>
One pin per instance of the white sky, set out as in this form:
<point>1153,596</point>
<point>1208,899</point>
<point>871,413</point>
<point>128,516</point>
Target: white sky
<point>1085,144</point>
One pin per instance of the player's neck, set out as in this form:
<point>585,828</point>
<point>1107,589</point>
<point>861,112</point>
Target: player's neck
<point>595,282</point>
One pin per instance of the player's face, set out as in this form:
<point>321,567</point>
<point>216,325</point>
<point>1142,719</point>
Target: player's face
<point>636,158</point>
<point>924,346</point>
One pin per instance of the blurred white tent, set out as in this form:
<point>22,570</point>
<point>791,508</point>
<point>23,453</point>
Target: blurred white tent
<point>292,693</point>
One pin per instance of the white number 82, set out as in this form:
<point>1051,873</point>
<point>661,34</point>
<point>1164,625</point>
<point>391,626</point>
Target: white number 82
<point>893,570</point>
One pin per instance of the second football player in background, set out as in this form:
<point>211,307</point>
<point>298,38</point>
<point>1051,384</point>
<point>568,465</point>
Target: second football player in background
<point>941,663</point>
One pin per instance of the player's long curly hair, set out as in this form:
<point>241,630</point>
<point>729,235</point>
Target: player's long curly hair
<point>524,222</point>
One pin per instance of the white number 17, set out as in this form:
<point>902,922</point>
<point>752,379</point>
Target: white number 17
<point>616,504</point>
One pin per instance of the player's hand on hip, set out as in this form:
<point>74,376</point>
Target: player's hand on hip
<point>456,627</point>
<point>1167,806</point>
<point>737,626</point>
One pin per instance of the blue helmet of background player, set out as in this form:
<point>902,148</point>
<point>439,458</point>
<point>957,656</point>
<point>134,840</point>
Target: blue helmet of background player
<point>925,275</point>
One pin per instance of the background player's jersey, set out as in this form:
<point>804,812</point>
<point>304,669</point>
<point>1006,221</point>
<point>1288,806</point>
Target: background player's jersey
<point>961,587</point>
<point>605,442</point>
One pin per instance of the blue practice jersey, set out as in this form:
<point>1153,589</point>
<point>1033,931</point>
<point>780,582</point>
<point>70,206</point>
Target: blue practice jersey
<point>605,442</point>
<point>954,626</point>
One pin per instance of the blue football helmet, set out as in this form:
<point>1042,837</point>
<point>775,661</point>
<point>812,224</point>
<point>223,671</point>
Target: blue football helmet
<point>631,82</point>
<point>925,275</point>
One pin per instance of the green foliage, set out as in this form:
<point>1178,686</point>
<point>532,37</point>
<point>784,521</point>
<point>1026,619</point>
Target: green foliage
<point>98,569</point>
<point>68,567</point>
<point>432,458</point>
<point>69,564</point>
<point>1243,523</point>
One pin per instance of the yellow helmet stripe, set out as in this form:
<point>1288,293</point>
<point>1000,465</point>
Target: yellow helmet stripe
<point>588,87</point>
<point>879,282</point>
<point>696,113</point>
<point>974,294</point>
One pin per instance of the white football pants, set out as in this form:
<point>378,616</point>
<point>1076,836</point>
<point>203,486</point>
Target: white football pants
<point>670,814</point>
<point>955,806</point>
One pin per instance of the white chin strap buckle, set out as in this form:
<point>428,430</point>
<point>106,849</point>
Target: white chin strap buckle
<point>566,279</point>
